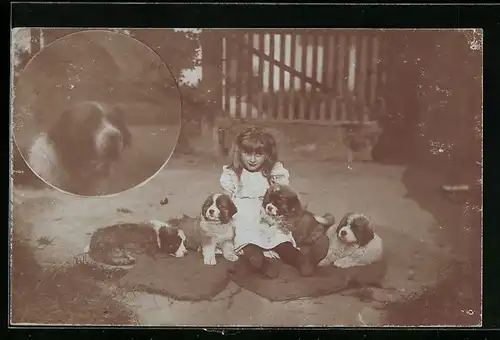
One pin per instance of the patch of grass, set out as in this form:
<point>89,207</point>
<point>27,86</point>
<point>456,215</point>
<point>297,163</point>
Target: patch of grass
<point>44,241</point>
<point>60,295</point>
<point>124,210</point>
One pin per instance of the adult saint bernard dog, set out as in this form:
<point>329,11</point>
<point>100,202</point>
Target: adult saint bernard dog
<point>78,152</point>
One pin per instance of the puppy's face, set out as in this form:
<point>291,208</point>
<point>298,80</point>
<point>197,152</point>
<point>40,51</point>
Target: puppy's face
<point>281,201</point>
<point>92,132</point>
<point>218,208</point>
<point>172,241</point>
<point>355,229</point>
<point>112,134</point>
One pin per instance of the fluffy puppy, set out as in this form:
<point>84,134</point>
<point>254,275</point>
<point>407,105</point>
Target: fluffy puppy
<point>217,228</point>
<point>354,243</point>
<point>282,207</point>
<point>118,244</point>
<point>77,152</point>
<point>212,231</point>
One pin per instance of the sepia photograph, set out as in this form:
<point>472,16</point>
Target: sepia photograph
<point>246,177</point>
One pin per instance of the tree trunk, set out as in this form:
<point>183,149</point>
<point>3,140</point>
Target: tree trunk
<point>400,93</point>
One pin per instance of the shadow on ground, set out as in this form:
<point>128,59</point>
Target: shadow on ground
<point>456,298</point>
<point>59,295</point>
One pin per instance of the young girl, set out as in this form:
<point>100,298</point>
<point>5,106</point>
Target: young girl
<point>254,167</point>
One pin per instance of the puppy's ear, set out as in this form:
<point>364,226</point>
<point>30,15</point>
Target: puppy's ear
<point>267,197</point>
<point>61,132</point>
<point>74,130</point>
<point>293,203</point>
<point>165,234</point>
<point>364,232</point>
<point>227,207</point>
<point>232,210</point>
<point>343,222</point>
<point>208,202</point>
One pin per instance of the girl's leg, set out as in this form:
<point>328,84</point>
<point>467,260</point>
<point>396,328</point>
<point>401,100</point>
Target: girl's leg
<point>255,255</point>
<point>292,256</point>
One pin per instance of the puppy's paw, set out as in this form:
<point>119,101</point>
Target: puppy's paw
<point>231,257</point>
<point>209,260</point>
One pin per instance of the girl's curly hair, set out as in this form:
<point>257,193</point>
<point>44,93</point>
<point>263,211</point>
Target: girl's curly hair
<point>254,140</point>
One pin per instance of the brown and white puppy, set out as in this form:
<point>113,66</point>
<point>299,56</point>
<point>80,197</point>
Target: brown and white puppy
<point>119,244</point>
<point>354,243</point>
<point>212,231</point>
<point>282,207</point>
<point>217,228</point>
<point>78,151</point>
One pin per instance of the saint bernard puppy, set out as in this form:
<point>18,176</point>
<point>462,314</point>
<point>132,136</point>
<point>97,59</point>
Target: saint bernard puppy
<point>78,151</point>
<point>212,232</point>
<point>116,245</point>
<point>354,243</point>
<point>282,207</point>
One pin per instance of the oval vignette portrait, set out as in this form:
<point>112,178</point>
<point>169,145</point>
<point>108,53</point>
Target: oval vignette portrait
<point>95,112</point>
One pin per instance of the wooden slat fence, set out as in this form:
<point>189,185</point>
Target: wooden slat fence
<point>328,77</point>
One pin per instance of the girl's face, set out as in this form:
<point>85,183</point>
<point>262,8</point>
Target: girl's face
<point>252,161</point>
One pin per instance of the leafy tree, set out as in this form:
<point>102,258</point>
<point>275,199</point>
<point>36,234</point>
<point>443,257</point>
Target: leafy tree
<point>433,94</point>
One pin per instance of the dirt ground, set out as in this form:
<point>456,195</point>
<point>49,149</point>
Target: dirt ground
<point>377,190</point>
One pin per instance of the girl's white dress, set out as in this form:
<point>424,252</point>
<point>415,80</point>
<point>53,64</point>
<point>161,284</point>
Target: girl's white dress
<point>247,194</point>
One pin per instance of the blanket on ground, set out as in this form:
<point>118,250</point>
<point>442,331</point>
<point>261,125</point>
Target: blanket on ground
<point>185,278</point>
<point>289,285</point>
<point>408,265</point>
